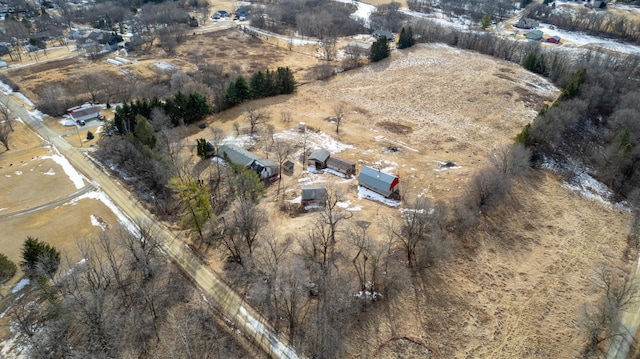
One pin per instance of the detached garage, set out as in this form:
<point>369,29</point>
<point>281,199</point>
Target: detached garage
<point>377,181</point>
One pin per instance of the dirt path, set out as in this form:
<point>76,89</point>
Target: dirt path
<point>57,202</point>
<point>231,305</point>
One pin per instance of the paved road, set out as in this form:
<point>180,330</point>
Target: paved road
<point>230,304</point>
<point>57,202</point>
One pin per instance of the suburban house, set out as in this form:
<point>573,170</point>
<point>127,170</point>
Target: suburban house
<point>553,40</point>
<point>346,168</point>
<point>318,158</point>
<point>314,196</point>
<point>263,167</point>
<point>527,23</point>
<point>377,181</point>
<point>383,33</point>
<point>84,114</point>
<point>535,35</point>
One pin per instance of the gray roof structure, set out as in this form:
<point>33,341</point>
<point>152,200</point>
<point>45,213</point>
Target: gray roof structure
<point>377,181</point>
<point>534,35</point>
<point>314,193</point>
<point>320,155</point>
<point>86,114</point>
<point>239,155</point>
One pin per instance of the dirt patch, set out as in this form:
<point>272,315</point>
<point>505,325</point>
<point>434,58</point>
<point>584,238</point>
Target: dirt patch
<point>397,128</point>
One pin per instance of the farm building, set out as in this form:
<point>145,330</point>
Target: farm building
<point>377,181</point>
<point>314,196</point>
<point>346,168</point>
<point>553,40</point>
<point>85,114</point>
<point>527,23</point>
<point>318,158</point>
<point>263,167</point>
<point>535,35</point>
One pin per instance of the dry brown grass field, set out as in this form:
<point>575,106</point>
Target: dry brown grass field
<point>514,290</point>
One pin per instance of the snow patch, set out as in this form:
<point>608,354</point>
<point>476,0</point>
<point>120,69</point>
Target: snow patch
<point>590,188</point>
<point>369,194</point>
<point>95,221</point>
<point>346,205</point>
<point>315,140</point>
<point>76,178</point>
<point>101,196</point>
<point>18,173</point>
<point>277,347</point>
<point>50,172</point>
<point>20,285</point>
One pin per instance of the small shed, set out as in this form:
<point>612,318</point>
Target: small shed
<point>378,181</point>
<point>288,166</point>
<point>313,196</point>
<point>346,168</point>
<point>535,35</point>
<point>553,40</point>
<point>319,158</point>
<point>85,114</point>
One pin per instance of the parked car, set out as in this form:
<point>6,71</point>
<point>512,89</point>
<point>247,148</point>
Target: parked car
<point>223,13</point>
<point>241,14</point>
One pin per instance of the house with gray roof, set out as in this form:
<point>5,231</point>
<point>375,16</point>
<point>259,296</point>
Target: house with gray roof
<point>318,158</point>
<point>265,168</point>
<point>313,196</point>
<point>527,23</point>
<point>85,114</point>
<point>378,181</point>
<point>383,33</point>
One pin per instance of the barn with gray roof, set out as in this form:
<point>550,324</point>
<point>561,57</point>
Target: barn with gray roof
<point>378,181</point>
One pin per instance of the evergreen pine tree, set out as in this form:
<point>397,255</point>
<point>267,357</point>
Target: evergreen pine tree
<point>379,49</point>
<point>39,258</point>
<point>243,92</point>
<point>258,85</point>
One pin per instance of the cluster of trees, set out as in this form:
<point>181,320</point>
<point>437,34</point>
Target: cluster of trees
<point>406,38</point>
<point>597,23</point>
<point>388,17</point>
<point>40,261</point>
<point>123,299</point>
<point>262,84</point>
<point>474,9</point>
<point>181,109</point>
<point>319,19</point>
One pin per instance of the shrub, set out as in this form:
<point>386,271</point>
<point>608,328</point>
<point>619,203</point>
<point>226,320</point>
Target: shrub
<point>90,135</point>
<point>39,258</point>
<point>7,268</point>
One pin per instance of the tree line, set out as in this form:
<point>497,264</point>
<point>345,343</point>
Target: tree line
<point>261,84</point>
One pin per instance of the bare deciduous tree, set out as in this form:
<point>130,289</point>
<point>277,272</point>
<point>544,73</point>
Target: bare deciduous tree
<point>256,117</point>
<point>512,160</point>
<point>5,132</point>
<point>283,152</point>
<point>601,323</point>
<point>339,112</point>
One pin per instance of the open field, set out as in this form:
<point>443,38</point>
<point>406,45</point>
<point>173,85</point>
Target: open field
<point>43,198</point>
<point>513,291</point>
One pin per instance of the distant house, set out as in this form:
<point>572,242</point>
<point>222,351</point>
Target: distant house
<point>263,167</point>
<point>553,40</point>
<point>314,196</point>
<point>318,158</point>
<point>383,33</point>
<point>377,181</point>
<point>346,168</point>
<point>85,114</point>
<point>535,35</point>
<point>527,23</point>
